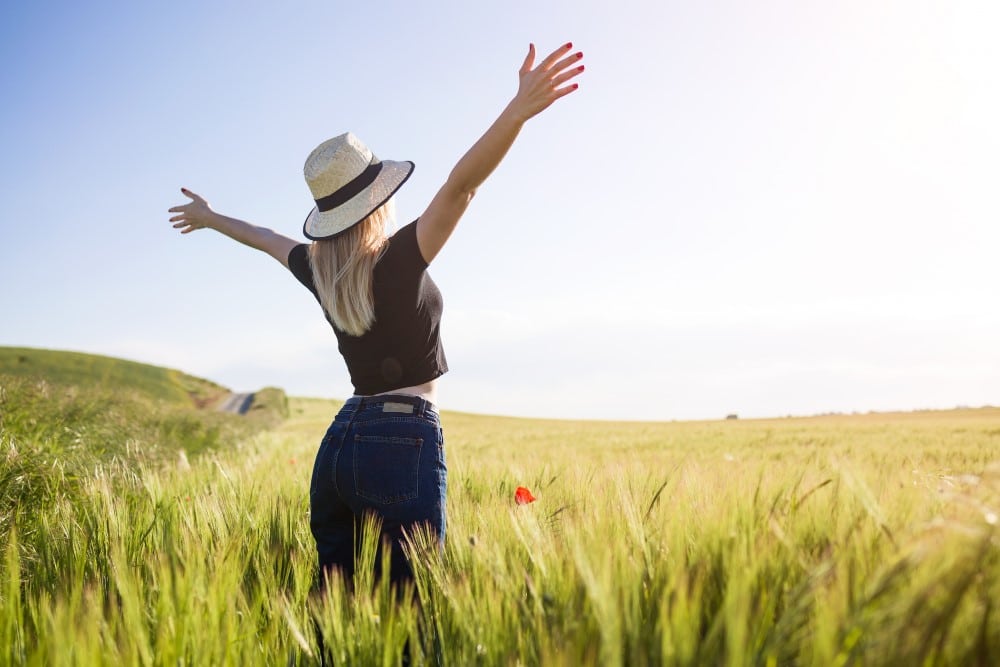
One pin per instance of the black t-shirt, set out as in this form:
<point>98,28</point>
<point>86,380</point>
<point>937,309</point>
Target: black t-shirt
<point>403,347</point>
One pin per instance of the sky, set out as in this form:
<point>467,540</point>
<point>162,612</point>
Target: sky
<point>769,208</point>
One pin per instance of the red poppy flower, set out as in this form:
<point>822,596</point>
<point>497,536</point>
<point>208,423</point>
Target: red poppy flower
<point>522,496</point>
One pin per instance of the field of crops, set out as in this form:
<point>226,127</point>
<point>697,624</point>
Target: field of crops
<point>869,539</point>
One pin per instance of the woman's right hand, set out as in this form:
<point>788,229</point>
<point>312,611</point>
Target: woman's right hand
<point>539,86</point>
<point>194,215</point>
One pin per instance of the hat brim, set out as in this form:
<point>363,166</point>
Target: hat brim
<point>321,225</point>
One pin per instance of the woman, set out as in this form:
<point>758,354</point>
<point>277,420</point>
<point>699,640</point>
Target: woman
<point>383,453</point>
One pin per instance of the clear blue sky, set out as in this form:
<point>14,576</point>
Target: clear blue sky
<point>765,208</point>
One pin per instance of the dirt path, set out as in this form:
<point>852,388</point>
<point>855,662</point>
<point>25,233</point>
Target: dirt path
<point>238,403</point>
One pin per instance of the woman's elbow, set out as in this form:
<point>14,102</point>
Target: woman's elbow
<point>461,191</point>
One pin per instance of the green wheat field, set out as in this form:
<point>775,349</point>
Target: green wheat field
<point>139,526</point>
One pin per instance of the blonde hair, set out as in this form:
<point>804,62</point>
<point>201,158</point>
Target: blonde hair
<point>342,270</point>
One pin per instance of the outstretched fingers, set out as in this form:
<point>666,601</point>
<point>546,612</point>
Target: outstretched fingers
<point>563,70</point>
<point>184,207</point>
<point>555,55</point>
<point>190,216</point>
<point>567,75</point>
<point>193,195</point>
<point>186,226</point>
<point>561,92</point>
<point>568,61</point>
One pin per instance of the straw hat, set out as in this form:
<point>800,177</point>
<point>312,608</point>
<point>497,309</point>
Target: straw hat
<point>348,182</point>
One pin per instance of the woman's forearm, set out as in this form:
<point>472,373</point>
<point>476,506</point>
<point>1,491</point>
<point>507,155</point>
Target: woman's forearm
<point>479,161</point>
<point>238,230</point>
<point>259,238</point>
<point>198,215</point>
<point>538,88</point>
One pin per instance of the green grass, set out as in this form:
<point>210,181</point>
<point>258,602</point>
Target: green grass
<point>867,540</point>
<point>66,417</point>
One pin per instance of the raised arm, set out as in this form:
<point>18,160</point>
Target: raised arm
<point>198,214</point>
<point>539,87</point>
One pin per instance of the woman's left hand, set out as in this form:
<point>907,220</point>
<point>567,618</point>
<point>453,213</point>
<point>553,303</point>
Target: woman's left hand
<point>540,86</point>
<point>194,215</point>
<point>538,89</point>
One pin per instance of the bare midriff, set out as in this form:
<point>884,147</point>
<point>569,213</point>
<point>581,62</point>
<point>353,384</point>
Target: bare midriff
<point>426,391</point>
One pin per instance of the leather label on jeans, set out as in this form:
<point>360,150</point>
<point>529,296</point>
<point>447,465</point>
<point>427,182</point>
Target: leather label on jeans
<point>397,407</point>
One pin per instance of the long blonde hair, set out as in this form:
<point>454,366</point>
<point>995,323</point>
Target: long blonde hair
<point>342,270</point>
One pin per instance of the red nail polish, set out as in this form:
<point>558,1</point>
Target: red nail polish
<point>569,45</point>
<point>580,54</point>
<point>580,68</point>
<point>575,86</point>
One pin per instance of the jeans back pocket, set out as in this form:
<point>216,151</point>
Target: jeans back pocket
<point>387,468</point>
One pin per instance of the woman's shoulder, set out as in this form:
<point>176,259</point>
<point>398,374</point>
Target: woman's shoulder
<point>403,250</point>
<point>298,264</point>
<point>405,234</point>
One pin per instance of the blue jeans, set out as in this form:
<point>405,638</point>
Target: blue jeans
<point>383,455</point>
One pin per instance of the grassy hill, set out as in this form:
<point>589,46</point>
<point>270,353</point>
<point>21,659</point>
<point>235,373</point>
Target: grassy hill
<point>91,371</point>
<point>96,407</point>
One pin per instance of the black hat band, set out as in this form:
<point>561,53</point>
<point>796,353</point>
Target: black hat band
<point>352,188</point>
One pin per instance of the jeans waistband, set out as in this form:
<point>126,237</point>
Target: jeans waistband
<point>392,403</point>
